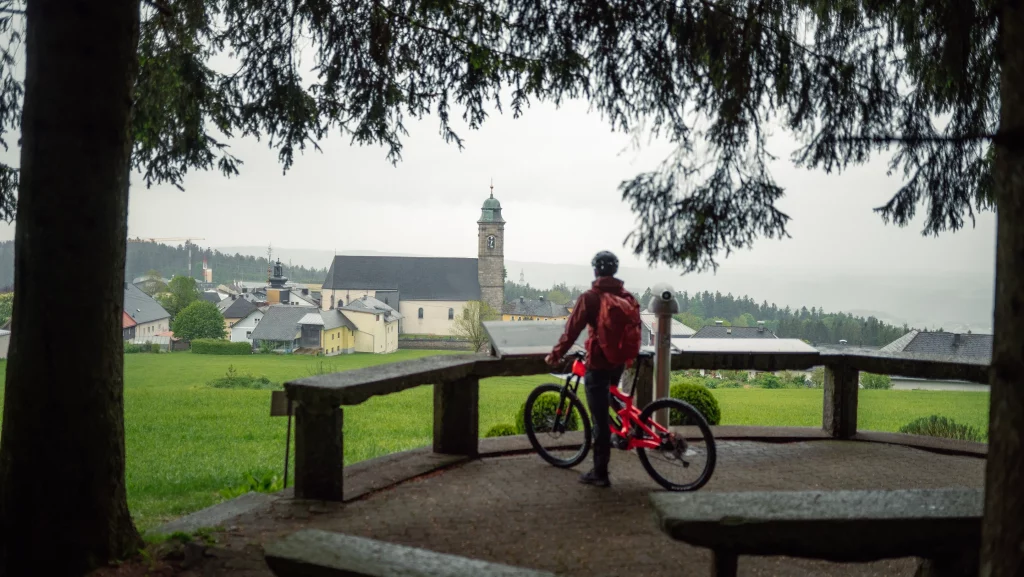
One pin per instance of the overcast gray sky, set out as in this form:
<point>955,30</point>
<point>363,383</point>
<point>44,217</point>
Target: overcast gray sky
<point>556,173</point>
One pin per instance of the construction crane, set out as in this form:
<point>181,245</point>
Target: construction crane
<point>188,244</point>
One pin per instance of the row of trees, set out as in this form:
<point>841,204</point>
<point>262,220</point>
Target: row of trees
<point>173,260</point>
<point>143,257</point>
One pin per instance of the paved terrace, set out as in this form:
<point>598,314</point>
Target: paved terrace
<point>511,507</point>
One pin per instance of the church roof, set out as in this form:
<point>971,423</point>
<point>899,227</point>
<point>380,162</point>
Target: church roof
<point>417,278</point>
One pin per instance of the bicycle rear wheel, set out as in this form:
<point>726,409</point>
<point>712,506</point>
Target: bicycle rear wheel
<point>686,457</point>
<point>552,416</point>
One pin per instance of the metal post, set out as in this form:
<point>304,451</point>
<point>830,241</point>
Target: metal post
<point>664,305</point>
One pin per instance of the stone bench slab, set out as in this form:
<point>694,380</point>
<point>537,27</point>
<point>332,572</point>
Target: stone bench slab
<point>325,554</point>
<point>841,526</point>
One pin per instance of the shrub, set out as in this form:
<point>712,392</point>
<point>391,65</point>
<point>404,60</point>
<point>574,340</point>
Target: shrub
<point>266,482</point>
<point>698,396</point>
<point>132,348</point>
<point>936,426</point>
<point>793,379</point>
<point>769,381</point>
<point>266,347</point>
<point>543,411</point>
<point>730,385</point>
<point>740,376</point>
<point>872,381</point>
<point>818,377</point>
<point>502,430</point>
<point>219,347</point>
<point>234,380</point>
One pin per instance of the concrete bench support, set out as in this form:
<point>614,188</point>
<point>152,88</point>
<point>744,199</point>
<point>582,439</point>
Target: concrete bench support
<point>456,417</point>
<point>942,526</point>
<point>319,452</point>
<point>839,413</point>
<point>326,554</point>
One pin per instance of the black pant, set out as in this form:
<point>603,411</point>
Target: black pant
<point>598,398</point>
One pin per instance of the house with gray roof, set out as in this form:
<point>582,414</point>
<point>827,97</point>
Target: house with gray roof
<point>957,346</point>
<point>428,292</point>
<point>523,309</point>
<point>150,318</point>
<point>649,329</point>
<point>289,328</point>
<point>720,331</point>
<point>234,309</point>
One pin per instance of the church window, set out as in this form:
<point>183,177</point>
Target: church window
<point>420,313</point>
<point>451,314</point>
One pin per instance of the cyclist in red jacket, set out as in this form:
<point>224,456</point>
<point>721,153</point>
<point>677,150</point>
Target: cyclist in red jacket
<point>602,372</point>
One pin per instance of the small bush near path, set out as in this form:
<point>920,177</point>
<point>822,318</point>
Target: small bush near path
<point>261,482</point>
<point>936,426</point>
<point>501,430</point>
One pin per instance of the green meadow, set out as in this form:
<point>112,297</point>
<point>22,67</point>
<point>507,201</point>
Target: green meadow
<point>189,444</point>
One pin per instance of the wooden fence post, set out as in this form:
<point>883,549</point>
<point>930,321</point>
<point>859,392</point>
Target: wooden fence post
<point>456,417</point>
<point>645,383</point>
<point>839,414</point>
<point>319,452</point>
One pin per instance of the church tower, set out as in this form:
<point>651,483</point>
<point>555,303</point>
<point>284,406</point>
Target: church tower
<point>491,253</point>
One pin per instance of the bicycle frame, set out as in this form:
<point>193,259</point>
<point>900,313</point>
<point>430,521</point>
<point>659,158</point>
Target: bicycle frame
<point>629,415</point>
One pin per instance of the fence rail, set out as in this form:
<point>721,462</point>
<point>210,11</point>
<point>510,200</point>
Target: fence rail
<point>319,400</point>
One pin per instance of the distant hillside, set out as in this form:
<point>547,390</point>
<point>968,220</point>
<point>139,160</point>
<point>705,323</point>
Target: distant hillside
<point>173,260</point>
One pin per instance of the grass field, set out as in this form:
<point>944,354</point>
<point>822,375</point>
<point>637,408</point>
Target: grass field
<point>186,441</point>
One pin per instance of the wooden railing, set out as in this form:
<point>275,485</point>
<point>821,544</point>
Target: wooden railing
<point>319,400</point>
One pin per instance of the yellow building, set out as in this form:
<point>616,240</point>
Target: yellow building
<point>535,310</point>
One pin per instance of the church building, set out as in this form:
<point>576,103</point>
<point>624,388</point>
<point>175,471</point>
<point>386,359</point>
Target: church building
<point>428,292</point>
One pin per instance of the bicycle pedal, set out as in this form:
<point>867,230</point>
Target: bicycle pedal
<point>619,442</point>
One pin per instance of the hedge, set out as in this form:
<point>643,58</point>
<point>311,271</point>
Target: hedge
<point>219,347</point>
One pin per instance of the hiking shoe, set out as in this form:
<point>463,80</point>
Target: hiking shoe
<point>592,478</point>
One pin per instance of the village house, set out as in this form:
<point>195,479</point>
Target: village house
<point>150,318</point>
<point>540,309</point>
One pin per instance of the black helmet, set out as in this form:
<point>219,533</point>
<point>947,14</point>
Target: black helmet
<point>605,263</point>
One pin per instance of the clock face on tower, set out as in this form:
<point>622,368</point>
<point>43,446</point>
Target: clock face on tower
<point>490,242</point>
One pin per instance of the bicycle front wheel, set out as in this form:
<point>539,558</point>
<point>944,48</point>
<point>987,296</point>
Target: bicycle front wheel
<point>685,457</point>
<point>555,419</point>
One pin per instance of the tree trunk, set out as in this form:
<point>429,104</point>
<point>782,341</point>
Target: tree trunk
<point>1003,529</point>
<point>63,507</point>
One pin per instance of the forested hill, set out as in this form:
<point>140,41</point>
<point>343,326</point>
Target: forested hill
<point>173,260</point>
<point>700,309</point>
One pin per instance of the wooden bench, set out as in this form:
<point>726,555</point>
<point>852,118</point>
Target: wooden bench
<point>942,526</point>
<point>326,554</point>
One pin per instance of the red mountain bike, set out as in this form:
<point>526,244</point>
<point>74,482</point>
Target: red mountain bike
<point>686,447</point>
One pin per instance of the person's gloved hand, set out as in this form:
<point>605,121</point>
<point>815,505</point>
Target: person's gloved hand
<point>551,360</point>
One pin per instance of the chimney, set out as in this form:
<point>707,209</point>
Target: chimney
<point>541,298</point>
<point>957,341</point>
<point>760,326</point>
<point>522,299</point>
<point>719,323</point>
<point>728,331</point>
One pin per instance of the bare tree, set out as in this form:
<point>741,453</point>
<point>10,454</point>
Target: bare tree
<point>470,325</point>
